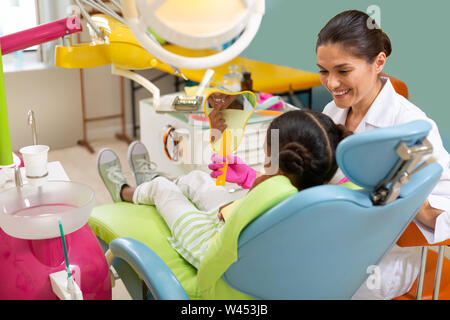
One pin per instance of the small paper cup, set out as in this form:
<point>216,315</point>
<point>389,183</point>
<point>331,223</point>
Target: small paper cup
<point>35,159</point>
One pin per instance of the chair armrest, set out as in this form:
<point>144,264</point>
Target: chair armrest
<point>160,280</point>
<point>413,237</point>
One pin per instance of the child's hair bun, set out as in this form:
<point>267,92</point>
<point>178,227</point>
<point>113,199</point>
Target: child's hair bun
<point>294,158</point>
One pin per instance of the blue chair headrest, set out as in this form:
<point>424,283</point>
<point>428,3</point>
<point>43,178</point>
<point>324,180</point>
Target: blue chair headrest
<point>367,158</point>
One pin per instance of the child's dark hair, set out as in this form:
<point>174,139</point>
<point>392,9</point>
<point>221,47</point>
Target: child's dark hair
<point>358,32</point>
<point>307,146</point>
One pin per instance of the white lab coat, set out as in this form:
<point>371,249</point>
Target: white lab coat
<point>400,267</point>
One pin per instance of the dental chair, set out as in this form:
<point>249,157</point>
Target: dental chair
<point>320,243</point>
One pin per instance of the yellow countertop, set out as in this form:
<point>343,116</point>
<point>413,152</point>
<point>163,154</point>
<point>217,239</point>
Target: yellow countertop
<point>266,77</point>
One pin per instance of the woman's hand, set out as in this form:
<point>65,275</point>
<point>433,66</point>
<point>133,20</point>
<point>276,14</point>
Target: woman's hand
<point>427,215</point>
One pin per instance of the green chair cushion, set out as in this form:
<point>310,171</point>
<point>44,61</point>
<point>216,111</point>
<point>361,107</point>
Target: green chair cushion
<point>143,223</point>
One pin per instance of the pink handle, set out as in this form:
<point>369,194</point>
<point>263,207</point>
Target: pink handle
<point>343,180</point>
<point>40,34</point>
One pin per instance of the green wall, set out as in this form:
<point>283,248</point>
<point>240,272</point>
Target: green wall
<point>419,32</point>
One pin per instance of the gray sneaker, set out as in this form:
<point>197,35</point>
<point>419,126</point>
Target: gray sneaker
<point>110,171</point>
<point>139,161</point>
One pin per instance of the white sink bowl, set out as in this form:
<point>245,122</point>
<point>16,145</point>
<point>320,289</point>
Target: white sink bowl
<point>33,212</point>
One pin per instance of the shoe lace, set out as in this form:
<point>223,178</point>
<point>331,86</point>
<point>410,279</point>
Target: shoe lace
<point>115,174</point>
<point>145,166</point>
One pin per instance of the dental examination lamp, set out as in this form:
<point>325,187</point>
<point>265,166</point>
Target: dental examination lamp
<point>19,41</point>
<point>199,24</point>
<point>195,25</point>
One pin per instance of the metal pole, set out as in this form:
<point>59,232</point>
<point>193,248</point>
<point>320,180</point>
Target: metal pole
<point>437,277</point>
<point>423,263</point>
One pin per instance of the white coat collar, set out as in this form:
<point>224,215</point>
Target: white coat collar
<point>339,115</point>
<point>380,112</point>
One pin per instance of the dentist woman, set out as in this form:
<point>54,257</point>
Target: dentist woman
<point>351,53</point>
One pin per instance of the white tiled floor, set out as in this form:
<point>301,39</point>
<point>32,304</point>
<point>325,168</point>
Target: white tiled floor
<point>81,165</point>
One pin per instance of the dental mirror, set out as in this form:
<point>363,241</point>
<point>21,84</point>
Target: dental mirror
<point>228,114</point>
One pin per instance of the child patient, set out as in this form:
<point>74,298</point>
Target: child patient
<point>192,204</point>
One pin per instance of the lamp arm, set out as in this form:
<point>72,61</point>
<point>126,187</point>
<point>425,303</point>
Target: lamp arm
<point>139,79</point>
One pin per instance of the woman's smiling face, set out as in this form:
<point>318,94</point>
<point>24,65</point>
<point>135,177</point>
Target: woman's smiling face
<point>351,80</point>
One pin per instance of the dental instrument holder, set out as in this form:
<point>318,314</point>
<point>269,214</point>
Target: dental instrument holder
<point>193,103</point>
<point>188,103</point>
<point>389,189</point>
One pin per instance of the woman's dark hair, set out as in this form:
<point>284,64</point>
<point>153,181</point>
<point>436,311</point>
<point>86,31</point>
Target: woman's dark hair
<point>357,31</point>
<point>307,146</point>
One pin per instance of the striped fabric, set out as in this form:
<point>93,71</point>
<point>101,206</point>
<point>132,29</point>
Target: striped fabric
<point>192,232</point>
